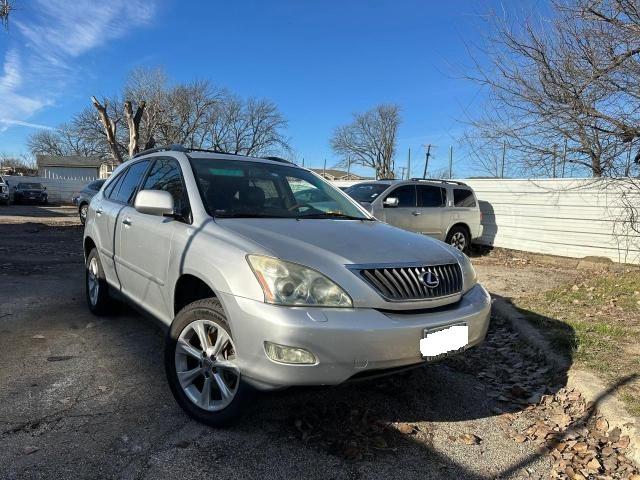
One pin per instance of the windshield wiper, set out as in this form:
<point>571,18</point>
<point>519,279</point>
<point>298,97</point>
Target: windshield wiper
<point>333,215</point>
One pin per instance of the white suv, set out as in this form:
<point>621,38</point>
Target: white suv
<point>268,276</point>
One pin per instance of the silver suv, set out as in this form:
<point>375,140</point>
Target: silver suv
<point>443,209</point>
<point>268,276</point>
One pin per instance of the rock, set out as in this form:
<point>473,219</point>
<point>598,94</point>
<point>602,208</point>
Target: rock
<point>28,450</point>
<point>580,447</point>
<point>519,438</point>
<point>623,442</point>
<point>575,288</point>
<point>405,428</point>
<point>470,439</point>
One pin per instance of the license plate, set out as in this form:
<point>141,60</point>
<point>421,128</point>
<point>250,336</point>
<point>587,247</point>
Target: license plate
<point>442,341</point>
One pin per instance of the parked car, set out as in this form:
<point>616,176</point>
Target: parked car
<point>443,209</point>
<point>261,290</point>
<point>4,191</point>
<point>83,198</point>
<point>30,192</point>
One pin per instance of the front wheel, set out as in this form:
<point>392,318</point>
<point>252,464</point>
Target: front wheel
<point>84,208</point>
<point>201,364</point>
<point>458,237</point>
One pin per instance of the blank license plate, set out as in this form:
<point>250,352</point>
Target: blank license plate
<point>444,340</point>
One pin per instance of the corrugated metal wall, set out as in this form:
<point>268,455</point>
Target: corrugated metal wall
<point>566,217</point>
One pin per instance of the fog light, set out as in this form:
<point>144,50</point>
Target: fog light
<point>284,354</point>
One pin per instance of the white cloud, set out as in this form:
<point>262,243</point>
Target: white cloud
<point>54,37</point>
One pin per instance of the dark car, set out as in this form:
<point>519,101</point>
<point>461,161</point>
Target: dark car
<point>83,198</point>
<point>28,192</point>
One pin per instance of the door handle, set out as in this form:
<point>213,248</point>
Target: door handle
<point>415,214</point>
<point>127,222</point>
<point>99,211</point>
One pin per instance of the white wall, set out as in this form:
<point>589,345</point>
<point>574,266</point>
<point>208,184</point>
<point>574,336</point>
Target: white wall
<point>565,217</point>
<point>58,190</point>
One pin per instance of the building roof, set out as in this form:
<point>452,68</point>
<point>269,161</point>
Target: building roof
<point>334,174</point>
<point>70,161</point>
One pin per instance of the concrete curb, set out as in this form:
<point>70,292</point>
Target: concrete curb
<point>589,385</point>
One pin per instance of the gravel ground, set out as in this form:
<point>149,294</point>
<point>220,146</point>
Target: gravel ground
<point>86,397</point>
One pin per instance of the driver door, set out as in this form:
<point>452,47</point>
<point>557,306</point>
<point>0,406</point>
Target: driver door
<point>402,216</point>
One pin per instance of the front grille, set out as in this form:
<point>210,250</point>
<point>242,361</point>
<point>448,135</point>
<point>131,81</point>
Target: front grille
<point>406,283</point>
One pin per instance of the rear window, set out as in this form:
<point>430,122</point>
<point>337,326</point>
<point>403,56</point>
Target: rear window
<point>366,192</point>
<point>463,198</point>
<point>430,196</point>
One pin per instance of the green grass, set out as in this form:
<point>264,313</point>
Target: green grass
<point>596,324</point>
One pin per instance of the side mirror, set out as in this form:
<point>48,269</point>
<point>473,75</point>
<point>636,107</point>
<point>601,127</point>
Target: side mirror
<point>154,202</point>
<point>391,202</point>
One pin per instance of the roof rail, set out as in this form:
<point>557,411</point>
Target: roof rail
<point>276,159</point>
<point>175,147</point>
<point>442,180</point>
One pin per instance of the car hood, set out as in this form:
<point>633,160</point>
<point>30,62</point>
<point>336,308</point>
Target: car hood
<point>314,242</point>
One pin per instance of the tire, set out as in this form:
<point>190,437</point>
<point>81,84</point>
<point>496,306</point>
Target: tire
<point>184,353</point>
<point>96,288</point>
<point>82,212</point>
<point>458,237</point>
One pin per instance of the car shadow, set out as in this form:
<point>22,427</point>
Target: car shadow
<point>489,231</point>
<point>35,211</point>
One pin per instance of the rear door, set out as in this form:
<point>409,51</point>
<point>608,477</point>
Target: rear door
<point>466,209</point>
<point>431,207</point>
<point>402,216</point>
<point>145,240</point>
<point>106,210</point>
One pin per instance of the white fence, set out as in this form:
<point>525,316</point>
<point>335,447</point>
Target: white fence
<point>58,190</point>
<point>566,217</point>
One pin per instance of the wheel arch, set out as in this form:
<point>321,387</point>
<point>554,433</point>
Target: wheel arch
<point>189,288</point>
<point>459,224</point>
<point>89,244</point>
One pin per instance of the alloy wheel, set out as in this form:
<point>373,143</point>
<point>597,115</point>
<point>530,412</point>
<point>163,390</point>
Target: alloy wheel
<point>83,213</point>
<point>92,281</point>
<point>459,241</point>
<point>206,366</point>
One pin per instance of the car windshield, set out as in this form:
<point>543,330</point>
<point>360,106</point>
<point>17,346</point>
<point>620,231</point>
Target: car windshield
<point>30,186</point>
<point>244,189</point>
<point>366,192</point>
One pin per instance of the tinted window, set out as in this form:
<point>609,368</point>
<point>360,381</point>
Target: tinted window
<point>429,196</point>
<point>95,186</point>
<point>463,198</point>
<point>406,195</point>
<point>366,192</point>
<point>165,175</point>
<point>126,192</point>
<point>114,184</point>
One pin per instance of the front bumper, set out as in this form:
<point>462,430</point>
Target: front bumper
<point>345,342</point>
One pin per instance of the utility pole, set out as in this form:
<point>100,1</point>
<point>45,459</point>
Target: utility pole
<point>409,165</point>
<point>324,169</point>
<point>504,152</point>
<point>564,156</point>
<point>302,162</point>
<point>402,170</point>
<point>426,161</point>
<point>348,167</point>
<point>450,162</point>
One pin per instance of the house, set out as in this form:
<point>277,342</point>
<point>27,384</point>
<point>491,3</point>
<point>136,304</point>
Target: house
<point>74,167</point>
<point>333,175</point>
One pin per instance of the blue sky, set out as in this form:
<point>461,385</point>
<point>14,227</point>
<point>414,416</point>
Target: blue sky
<point>318,60</point>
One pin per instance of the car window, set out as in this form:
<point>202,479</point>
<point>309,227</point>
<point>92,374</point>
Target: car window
<point>366,192</point>
<point>463,198</point>
<point>431,196</point>
<point>128,187</point>
<point>406,195</point>
<point>114,184</point>
<point>244,189</point>
<point>165,174</point>
<point>307,194</point>
<point>95,186</point>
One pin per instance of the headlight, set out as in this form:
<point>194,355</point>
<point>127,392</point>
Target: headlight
<point>286,283</point>
<point>470,278</point>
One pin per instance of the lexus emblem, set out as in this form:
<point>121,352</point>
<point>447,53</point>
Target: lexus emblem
<point>430,279</point>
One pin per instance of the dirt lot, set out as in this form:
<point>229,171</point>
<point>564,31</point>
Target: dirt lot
<point>85,397</point>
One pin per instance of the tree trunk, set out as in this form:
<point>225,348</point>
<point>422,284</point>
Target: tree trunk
<point>133,122</point>
<point>596,166</point>
<point>109,128</point>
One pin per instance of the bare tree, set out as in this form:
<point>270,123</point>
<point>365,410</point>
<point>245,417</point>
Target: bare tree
<point>370,139</point>
<point>571,78</point>
<point>110,128</point>
<point>6,6</point>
